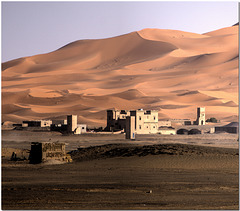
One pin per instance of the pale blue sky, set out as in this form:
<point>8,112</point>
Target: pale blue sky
<point>30,28</point>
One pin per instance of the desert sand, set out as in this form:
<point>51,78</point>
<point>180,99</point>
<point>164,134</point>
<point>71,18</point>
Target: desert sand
<point>109,172</point>
<point>169,70</point>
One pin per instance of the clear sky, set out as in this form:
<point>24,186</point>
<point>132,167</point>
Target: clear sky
<point>30,28</point>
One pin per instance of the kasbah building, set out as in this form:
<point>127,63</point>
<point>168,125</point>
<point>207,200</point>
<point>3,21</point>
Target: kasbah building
<point>146,121</point>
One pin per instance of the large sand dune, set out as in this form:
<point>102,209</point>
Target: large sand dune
<point>168,70</point>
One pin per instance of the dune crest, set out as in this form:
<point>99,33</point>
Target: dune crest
<point>169,70</point>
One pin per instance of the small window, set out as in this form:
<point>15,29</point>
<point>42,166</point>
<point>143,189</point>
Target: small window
<point>147,126</point>
<point>140,118</point>
<point>140,127</point>
<point>153,126</point>
<point>82,128</point>
<point>154,117</point>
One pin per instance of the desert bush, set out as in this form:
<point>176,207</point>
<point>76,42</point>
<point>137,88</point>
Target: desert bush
<point>212,119</point>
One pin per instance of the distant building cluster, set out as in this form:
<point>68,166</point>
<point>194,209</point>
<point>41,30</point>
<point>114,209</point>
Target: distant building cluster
<point>199,121</point>
<point>68,125</point>
<point>131,122</point>
<point>146,121</point>
<point>37,123</point>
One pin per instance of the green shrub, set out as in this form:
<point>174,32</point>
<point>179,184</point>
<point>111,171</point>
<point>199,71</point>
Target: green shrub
<point>212,119</point>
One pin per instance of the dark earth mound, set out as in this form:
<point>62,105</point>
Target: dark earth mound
<point>127,150</point>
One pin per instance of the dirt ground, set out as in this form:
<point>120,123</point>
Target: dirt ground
<point>23,139</point>
<point>119,175</point>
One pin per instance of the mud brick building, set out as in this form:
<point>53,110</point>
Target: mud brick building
<point>38,123</point>
<point>73,127</point>
<point>179,122</point>
<point>146,121</point>
<point>41,152</point>
<point>200,116</point>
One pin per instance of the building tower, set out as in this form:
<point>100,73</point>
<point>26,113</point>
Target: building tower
<point>71,123</point>
<point>130,127</point>
<point>200,116</point>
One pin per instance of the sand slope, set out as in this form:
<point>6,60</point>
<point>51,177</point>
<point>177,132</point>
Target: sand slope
<point>169,70</point>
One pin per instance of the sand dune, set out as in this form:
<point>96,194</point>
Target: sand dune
<point>169,70</point>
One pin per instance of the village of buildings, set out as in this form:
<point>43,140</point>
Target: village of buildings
<point>129,122</point>
<point>134,121</point>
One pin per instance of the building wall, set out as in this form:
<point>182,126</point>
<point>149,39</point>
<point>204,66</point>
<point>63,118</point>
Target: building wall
<point>164,123</point>
<point>139,120</point>
<point>32,123</point>
<point>41,152</point>
<point>46,123</point>
<point>111,119</point>
<point>146,121</point>
<point>180,121</point>
<point>59,122</point>
<point>167,131</point>
<point>54,151</point>
<point>116,119</point>
<point>38,123</point>
<point>130,127</point>
<point>81,128</point>
<point>200,116</point>
<point>150,122</point>
<point>212,130</point>
<point>71,123</point>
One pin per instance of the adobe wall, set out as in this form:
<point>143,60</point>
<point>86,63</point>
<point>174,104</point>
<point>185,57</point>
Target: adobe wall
<point>41,152</point>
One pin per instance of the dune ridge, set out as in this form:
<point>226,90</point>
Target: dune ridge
<point>169,70</point>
